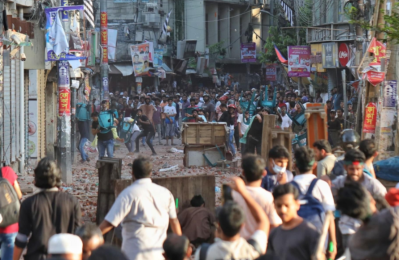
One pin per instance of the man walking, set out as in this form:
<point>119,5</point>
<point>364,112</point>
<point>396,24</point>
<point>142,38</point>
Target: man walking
<point>146,210</point>
<point>46,213</point>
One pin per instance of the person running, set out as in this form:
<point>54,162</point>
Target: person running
<point>148,131</point>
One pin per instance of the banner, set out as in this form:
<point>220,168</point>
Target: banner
<point>375,77</point>
<point>271,72</point>
<point>248,52</point>
<point>390,93</point>
<point>379,51</point>
<point>64,102</point>
<point>298,61</point>
<point>55,34</point>
<point>370,118</point>
<point>87,88</point>
<point>158,57</point>
<point>141,56</point>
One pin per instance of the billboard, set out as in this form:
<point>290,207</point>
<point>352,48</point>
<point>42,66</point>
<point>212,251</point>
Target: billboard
<point>141,58</point>
<point>298,61</point>
<point>248,52</point>
<point>271,72</point>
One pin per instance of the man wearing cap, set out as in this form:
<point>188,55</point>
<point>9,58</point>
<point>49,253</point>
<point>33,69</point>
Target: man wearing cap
<point>65,246</point>
<point>353,164</point>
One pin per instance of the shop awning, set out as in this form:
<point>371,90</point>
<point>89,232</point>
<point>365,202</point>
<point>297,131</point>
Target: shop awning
<point>125,69</point>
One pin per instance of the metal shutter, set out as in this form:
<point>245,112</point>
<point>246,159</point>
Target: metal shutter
<point>7,109</point>
<point>26,113</point>
<point>18,111</point>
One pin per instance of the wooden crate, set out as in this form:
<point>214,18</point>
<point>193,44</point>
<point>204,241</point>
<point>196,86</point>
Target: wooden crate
<point>193,154</point>
<point>272,136</point>
<point>204,133</point>
<point>183,188</point>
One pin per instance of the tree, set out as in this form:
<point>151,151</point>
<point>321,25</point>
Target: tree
<point>281,39</point>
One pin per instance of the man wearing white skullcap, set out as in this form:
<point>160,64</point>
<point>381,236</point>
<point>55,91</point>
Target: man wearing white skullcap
<point>65,246</point>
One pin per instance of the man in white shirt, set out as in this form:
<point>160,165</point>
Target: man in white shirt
<point>253,169</point>
<point>170,113</point>
<point>145,211</point>
<point>229,244</point>
<point>353,164</point>
<point>304,166</point>
<point>286,122</point>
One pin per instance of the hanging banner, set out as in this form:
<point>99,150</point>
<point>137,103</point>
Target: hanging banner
<point>248,52</point>
<point>370,118</point>
<point>390,93</point>
<point>63,75</point>
<point>375,77</point>
<point>64,102</point>
<point>87,88</point>
<point>158,57</point>
<point>141,56</point>
<point>298,61</point>
<point>55,36</point>
<point>271,72</point>
<point>379,51</point>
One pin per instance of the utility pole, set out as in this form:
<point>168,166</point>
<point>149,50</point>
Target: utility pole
<point>104,47</point>
<point>64,115</point>
<point>298,39</point>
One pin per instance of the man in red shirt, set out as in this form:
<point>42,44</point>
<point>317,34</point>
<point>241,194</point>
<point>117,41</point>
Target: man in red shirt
<point>8,234</point>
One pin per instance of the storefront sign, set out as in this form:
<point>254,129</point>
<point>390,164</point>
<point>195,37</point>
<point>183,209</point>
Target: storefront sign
<point>375,77</point>
<point>379,51</point>
<point>271,70</point>
<point>141,57</point>
<point>64,102</point>
<point>248,52</point>
<point>298,61</point>
<point>370,118</point>
<point>390,93</point>
<point>329,55</point>
<point>343,54</point>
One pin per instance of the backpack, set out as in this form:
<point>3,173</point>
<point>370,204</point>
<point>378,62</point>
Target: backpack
<point>311,208</point>
<point>106,120</point>
<point>338,169</point>
<point>82,112</point>
<point>9,203</point>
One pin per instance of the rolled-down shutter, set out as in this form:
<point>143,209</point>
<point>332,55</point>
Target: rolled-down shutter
<point>7,108</point>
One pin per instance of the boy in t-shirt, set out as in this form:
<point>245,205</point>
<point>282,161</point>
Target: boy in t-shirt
<point>170,113</point>
<point>295,238</point>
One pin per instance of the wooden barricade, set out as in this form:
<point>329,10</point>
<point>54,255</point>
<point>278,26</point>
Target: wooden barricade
<point>272,136</point>
<point>203,134</point>
<point>109,170</point>
<point>183,189</point>
<point>316,124</point>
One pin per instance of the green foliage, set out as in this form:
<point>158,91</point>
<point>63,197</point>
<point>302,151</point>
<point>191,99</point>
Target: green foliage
<point>217,50</point>
<point>281,39</point>
<point>389,28</point>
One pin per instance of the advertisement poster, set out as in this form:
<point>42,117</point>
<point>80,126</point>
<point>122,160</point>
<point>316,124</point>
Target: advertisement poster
<point>57,47</point>
<point>87,88</point>
<point>390,93</point>
<point>298,61</point>
<point>370,118</point>
<point>32,129</point>
<point>141,57</point>
<point>375,77</point>
<point>64,102</point>
<point>271,72</point>
<point>248,52</point>
<point>158,56</point>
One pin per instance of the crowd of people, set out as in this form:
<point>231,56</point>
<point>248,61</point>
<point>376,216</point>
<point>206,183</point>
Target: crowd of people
<point>268,212</point>
<point>159,115</point>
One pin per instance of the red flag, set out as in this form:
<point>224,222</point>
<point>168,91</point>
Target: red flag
<point>379,51</point>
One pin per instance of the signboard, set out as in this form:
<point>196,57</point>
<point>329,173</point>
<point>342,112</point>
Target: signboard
<point>63,74</point>
<point>104,36</point>
<point>248,52</point>
<point>298,61</point>
<point>375,77</point>
<point>370,118</point>
<point>343,54</point>
<point>390,93</point>
<point>315,57</point>
<point>64,15</point>
<point>329,55</point>
<point>64,102</point>
<point>141,56</point>
<point>189,48</point>
<point>54,36</point>
<point>271,72</point>
<point>158,57</point>
<point>32,129</point>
